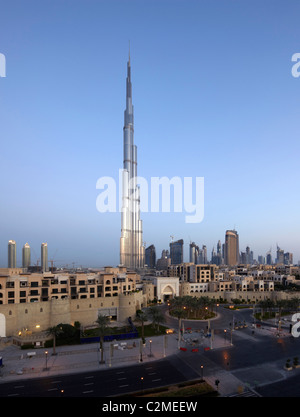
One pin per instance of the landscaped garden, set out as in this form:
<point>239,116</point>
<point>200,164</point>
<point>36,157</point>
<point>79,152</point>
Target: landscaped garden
<point>192,308</point>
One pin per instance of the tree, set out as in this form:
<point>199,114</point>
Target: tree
<point>142,316</point>
<point>180,314</point>
<point>281,304</point>
<point>54,331</point>
<point>156,316</point>
<point>102,322</point>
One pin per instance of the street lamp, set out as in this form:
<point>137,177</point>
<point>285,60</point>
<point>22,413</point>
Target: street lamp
<point>46,354</point>
<point>150,341</point>
<point>202,372</point>
<point>225,335</point>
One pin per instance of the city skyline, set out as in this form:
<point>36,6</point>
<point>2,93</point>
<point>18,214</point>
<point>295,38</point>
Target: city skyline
<point>219,93</point>
<point>195,255</point>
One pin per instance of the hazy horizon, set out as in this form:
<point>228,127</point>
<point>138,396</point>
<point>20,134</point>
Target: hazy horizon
<point>213,97</point>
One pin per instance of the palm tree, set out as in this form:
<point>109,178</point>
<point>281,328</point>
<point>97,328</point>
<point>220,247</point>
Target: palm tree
<point>180,314</point>
<point>102,322</point>
<point>156,316</point>
<point>141,316</point>
<point>293,304</point>
<point>54,331</point>
<point>281,304</point>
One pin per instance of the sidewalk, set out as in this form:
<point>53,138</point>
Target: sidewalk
<point>23,364</point>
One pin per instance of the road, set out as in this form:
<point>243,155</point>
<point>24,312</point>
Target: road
<point>99,383</point>
<point>255,359</point>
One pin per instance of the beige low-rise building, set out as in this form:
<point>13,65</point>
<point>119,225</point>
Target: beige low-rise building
<point>41,300</point>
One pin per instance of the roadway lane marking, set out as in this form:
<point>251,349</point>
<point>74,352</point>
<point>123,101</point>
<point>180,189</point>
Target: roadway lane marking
<point>19,386</point>
<point>87,392</point>
<point>152,373</point>
<point>53,389</point>
<point>154,380</point>
<point>88,377</point>
<point>122,372</point>
<point>121,386</point>
<point>55,382</point>
<point>120,379</point>
<point>12,395</point>
<point>90,383</point>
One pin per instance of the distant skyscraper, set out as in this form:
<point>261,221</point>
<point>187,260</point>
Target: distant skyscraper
<point>204,249</point>
<point>269,258</point>
<point>26,257</point>
<point>176,252</point>
<point>150,256</point>
<point>219,249</point>
<point>12,254</point>
<point>216,257</point>
<point>288,258</point>
<point>194,253</point>
<point>132,251</point>
<point>232,256</point>
<point>44,257</point>
<point>280,256</point>
<point>164,262</point>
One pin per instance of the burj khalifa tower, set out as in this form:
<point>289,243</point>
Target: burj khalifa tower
<point>132,251</point>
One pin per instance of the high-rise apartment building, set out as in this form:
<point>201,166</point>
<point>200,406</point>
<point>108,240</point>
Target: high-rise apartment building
<point>176,252</point>
<point>44,257</point>
<point>269,258</point>
<point>150,256</point>
<point>232,256</point>
<point>12,254</point>
<point>132,251</point>
<point>280,256</point>
<point>194,253</point>
<point>26,257</point>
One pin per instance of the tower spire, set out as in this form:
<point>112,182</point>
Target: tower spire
<point>131,243</point>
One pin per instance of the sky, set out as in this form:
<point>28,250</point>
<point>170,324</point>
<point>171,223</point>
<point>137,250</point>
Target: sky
<point>213,95</point>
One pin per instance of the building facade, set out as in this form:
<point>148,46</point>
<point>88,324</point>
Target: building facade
<point>132,251</point>
<point>44,257</point>
<point>176,252</point>
<point>38,301</point>
<point>26,256</point>
<point>12,254</point>
<point>231,248</point>
<point>150,256</point>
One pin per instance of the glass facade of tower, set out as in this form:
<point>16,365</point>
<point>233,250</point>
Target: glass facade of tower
<point>44,257</point>
<point>176,252</point>
<point>26,257</point>
<point>12,254</point>
<point>132,251</point>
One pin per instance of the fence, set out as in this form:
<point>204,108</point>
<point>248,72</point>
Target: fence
<point>109,338</point>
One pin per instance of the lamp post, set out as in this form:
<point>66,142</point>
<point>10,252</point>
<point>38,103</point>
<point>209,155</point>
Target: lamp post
<point>202,372</point>
<point>46,354</point>
<point>141,351</point>
<point>150,342</point>
<point>225,331</point>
